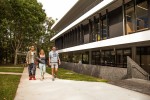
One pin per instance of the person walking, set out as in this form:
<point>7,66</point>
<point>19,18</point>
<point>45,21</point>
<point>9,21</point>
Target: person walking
<point>54,61</point>
<point>42,63</point>
<point>31,61</point>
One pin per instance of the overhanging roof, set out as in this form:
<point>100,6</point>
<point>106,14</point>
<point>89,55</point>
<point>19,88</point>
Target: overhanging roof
<point>80,8</point>
<point>101,5</point>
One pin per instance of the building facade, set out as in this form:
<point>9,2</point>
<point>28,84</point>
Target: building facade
<point>105,32</point>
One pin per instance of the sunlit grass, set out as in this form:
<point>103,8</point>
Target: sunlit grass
<point>8,86</point>
<point>70,75</point>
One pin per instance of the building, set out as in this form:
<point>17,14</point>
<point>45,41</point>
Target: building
<point>105,32</point>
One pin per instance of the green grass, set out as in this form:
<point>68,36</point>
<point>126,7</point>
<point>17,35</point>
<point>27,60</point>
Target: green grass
<point>15,70</point>
<point>70,75</point>
<point>8,86</point>
<point>11,65</point>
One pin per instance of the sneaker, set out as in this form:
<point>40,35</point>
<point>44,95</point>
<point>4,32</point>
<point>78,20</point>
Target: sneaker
<point>41,79</point>
<point>53,79</point>
<point>30,78</point>
<point>34,78</point>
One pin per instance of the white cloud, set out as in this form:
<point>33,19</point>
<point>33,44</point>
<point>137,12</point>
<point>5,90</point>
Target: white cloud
<point>57,8</point>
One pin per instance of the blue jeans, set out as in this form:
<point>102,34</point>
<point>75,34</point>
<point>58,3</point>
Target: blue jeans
<point>42,68</point>
<point>32,69</point>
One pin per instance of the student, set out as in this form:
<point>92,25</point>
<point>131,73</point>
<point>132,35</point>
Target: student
<point>42,63</point>
<point>31,60</point>
<point>54,60</point>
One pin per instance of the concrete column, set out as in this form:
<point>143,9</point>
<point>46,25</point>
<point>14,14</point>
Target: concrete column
<point>133,53</point>
<point>148,13</point>
<point>124,17</point>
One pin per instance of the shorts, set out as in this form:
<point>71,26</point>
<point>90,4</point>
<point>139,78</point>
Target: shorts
<point>54,65</point>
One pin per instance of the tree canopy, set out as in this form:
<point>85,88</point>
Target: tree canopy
<point>22,23</point>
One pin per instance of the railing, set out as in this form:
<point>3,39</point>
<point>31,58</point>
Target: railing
<point>132,64</point>
<point>141,72</point>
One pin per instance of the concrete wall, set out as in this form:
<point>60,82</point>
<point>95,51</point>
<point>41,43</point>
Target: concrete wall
<point>105,72</point>
<point>135,71</point>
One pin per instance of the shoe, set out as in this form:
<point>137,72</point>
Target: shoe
<point>30,78</point>
<point>53,79</point>
<point>34,77</point>
<point>41,79</point>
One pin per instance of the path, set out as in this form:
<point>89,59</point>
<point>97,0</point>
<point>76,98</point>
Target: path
<point>72,90</point>
<point>10,73</point>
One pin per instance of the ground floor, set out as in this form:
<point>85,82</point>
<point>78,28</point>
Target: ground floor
<point>114,56</point>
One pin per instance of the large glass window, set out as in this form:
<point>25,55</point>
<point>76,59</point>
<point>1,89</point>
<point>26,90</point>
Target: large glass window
<point>142,14</point>
<point>136,12</point>
<point>96,31</point>
<point>115,23</point>
<point>143,57</point>
<point>108,58</point>
<point>77,57</point>
<point>121,57</point>
<point>104,28</point>
<point>86,33</point>
<point>96,57</point>
<point>85,58</point>
<point>130,17</point>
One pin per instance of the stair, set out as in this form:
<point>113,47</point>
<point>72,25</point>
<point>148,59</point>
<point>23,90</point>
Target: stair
<point>139,85</point>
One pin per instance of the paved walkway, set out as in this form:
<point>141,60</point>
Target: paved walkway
<point>72,90</point>
<point>10,73</point>
<point>11,67</point>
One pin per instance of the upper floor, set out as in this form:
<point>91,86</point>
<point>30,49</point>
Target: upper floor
<point>122,17</point>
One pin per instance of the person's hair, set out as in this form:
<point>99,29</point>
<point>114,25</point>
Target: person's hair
<point>53,46</point>
<point>41,51</point>
<point>32,47</point>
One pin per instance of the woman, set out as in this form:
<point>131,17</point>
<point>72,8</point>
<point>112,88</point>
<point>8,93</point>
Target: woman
<point>42,63</point>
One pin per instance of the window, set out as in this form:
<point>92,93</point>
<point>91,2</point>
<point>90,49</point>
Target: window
<point>86,33</point>
<point>104,28</point>
<point>130,17</point>
<point>96,57</point>
<point>142,14</point>
<point>121,57</point>
<point>77,57</point>
<point>115,23</point>
<point>143,57</point>
<point>95,30</point>
<point>108,58</point>
<point>85,58</point>
<point>137,17</point>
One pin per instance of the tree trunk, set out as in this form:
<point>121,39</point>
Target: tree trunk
<point>16,56</point>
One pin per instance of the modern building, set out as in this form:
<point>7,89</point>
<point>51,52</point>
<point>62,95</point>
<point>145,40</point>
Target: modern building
<point>105,32</point>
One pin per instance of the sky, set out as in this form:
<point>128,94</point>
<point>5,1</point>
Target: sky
<point>57,8</point>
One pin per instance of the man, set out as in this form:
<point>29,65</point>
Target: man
<point>54,60</point>
<point>31,60</point>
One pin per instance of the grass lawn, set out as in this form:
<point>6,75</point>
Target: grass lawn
<point>70,75</point>
<point>11,65</point>
<point>15,70</point>
<point>8,86</point>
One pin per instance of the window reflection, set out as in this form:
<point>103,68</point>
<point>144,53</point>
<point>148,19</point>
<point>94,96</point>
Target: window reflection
<point>142,14</point>
<point>136,15</point>
<point>104,28</point>
<point>143,57</point>
<point>130,18</point>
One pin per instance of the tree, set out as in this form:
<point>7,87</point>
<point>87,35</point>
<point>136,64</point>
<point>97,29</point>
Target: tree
<point>47,33</point>
<point>21,21</point>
